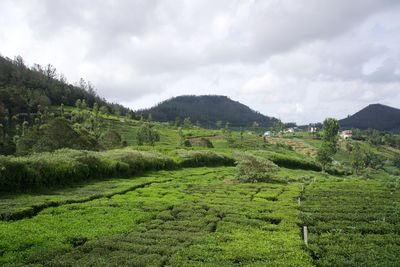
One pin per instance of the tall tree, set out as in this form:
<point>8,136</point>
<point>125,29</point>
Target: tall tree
<point>329,145</point>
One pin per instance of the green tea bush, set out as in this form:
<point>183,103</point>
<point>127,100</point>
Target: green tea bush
<point>204,142</point>
<point>192,158</point>
<point>290,162</point>
<point>67,166</point>
<point>254,169</point>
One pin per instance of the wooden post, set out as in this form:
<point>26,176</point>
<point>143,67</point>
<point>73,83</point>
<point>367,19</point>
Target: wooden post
<point>305,235</point>
<point>298,201</point>
<point>302,187</point>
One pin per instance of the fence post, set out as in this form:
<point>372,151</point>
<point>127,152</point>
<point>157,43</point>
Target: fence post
<point>305,235</point>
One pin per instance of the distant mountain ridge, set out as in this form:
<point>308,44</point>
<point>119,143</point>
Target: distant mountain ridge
<point>374,116</point>
<point>208,110</point>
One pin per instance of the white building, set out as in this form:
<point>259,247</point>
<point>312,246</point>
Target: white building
<point>267,134</point>
<point>346,134</point>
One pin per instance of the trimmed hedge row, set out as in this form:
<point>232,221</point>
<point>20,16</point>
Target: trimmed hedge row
<point>289,161</point>
<point>200,158</point>
<point>67,166</point>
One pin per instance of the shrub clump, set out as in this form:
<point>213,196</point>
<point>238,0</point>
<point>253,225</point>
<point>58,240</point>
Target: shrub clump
<point>67,166</point>
<point>290,162</point>
<point>204,142</point>
<point>198,158</point>
<point>110,139</point>
<point>251,168</point>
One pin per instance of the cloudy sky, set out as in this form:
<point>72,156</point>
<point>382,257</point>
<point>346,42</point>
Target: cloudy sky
<point>299,61</point>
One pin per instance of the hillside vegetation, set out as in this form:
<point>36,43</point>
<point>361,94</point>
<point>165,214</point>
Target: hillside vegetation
<point>83,184</point>
<point>208,111</point>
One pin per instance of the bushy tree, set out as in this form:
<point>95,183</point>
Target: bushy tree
<point>254,169</point>
<point>373,160</point>
<point>357,159</point>
<point>206,143</point>
<point>330,134</point>
<point>329,145</point>
<point>187,122</point>
<point>147,134</point>
<point>104,110</point>
<point>110,139</point>
<point>324,156</point>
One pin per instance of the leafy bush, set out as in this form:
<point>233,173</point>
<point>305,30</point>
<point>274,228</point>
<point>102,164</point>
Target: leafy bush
<point>204,142</point>
<point>186,143</point>
<point>147,135</point>
<point>110,139</point>
<point>254,169</point>
<point>290,162</point>
<point>191,158</point>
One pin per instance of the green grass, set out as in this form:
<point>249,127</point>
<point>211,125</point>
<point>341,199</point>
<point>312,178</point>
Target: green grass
<point>196,217</point>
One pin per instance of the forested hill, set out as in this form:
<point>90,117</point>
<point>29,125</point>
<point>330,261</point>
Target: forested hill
<point>374,116</point>
<point>208,110</point>
<point>26,90</point>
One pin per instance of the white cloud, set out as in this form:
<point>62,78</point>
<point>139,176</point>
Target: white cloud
<point>300,61</point>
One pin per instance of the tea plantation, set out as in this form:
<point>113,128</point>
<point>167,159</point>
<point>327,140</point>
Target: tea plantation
<point>177,205</point>
<point>196,216</point>
<point>353,222</point>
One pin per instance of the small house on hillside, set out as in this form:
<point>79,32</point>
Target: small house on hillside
<point>290,130</point>
<point>267,134</point>
<point>347,134</point>
<point>312,129</point>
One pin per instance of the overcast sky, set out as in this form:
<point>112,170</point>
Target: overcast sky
<point>295,60</point>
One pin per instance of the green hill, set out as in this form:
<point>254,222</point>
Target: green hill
<point>208,110</point>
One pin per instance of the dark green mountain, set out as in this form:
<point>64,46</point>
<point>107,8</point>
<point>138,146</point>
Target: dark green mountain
<point>207,110</point>
<point>375,116</point>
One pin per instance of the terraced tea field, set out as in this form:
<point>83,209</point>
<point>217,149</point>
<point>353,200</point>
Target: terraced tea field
<point>190,217</point>
<point>353,222</point>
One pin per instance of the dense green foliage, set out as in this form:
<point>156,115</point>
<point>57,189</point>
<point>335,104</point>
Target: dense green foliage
<point>181,218</point>
<point>147,135</point>
<point>204,142</point>
<point>192,158</point>
<point>27,96</point>
<point>66,167</point>
<point>353,222</point>
<point>56,134</point>
<point>291,162</point>
<point>255,169</point>
<point>110,139</point>
<point>377,116</point>
<point>208,111</point>
<point>329,145</point>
